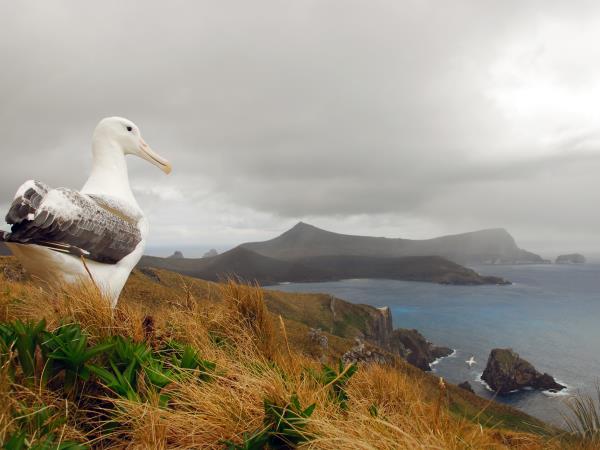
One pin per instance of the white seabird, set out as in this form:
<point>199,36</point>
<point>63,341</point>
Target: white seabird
<point>471,361</point>
<point>98,232</point>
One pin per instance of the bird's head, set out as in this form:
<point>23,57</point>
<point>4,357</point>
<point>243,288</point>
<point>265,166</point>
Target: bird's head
<point>125,135</point>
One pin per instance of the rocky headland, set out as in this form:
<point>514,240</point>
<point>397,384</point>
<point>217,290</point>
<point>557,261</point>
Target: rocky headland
<point>506,372</point>
<point>410,344</point>
<point>306,253</point>
<point>418,351</point>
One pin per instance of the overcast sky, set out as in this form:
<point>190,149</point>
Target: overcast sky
<point>392,118</point>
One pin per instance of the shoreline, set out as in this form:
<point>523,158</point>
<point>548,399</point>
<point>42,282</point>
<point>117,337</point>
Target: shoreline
<point>437,360</point>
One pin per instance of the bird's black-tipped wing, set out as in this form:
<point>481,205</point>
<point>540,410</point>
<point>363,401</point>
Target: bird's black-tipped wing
<point>99,228</point>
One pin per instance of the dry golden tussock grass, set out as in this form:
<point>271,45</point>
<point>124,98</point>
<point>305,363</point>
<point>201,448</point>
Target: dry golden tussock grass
<point>386,408</point>
<point>23,404</point>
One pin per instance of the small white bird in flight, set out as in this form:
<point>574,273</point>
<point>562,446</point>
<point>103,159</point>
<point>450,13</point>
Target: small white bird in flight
<point>471,361</point>
<point>98,232</point>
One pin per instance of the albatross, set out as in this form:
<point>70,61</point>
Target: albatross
<point>98,232</point>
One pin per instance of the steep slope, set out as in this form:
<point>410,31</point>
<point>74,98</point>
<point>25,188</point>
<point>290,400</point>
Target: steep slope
<point>494,246</point>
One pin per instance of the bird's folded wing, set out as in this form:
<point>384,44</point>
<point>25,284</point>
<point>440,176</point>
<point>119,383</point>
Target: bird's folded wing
<point>99,228</point>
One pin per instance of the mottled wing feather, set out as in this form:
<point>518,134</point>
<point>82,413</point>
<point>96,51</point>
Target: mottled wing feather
<point>26,201</point>
<point>99,228</point>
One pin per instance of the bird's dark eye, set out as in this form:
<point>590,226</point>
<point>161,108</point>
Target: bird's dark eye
<point>129,128</point>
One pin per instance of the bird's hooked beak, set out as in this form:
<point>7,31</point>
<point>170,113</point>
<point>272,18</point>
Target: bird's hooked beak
<point>152,157</point>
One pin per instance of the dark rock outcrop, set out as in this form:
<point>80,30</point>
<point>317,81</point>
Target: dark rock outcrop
<point>363,353</point>
<point>150,273</point>
<point>212,252</point>
<point>506,371</point>
<point>466,386</point>
<point>572,258</point>
<point>318,338</point>
<point>418,351</point>
<point>176,255</point>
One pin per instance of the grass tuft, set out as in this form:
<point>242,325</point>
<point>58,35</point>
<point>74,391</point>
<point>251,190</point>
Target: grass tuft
<point>583,419</point>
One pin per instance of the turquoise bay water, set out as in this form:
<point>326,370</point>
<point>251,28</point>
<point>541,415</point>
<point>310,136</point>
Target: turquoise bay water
<point>550,316</point>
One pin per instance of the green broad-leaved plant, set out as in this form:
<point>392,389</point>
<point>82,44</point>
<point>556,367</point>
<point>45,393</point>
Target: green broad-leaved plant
<point>67,349</point>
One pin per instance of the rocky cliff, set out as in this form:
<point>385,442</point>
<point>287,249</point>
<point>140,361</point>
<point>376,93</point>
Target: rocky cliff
<point>409,344</point>
<point>379,327</point>
<point>364,323</point>
<point>506,371</point>
<point>418,351</point>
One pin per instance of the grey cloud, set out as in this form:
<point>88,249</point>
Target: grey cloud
<point>284,110</point>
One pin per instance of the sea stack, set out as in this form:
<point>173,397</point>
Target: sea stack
<point>209,254</point>
<point>506,371</point>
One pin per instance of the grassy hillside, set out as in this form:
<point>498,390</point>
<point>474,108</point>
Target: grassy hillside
<point>256,381</point>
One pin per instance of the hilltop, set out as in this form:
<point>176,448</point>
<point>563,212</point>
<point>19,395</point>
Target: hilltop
<point>258,356</point>
<point>492,246</point>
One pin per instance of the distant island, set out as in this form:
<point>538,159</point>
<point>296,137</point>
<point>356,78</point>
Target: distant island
<point>308,254</point>
<point>493,246</point>
<point>572,258</point>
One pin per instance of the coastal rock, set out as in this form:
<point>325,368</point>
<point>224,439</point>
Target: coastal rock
<point>377,330</point>
<point>418,351</point>
<point>176,255</point>
<point>506,371</point>
<point>572,258</point>
<point>466,386</point>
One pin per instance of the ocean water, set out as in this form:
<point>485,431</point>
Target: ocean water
<point>550,316</point>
